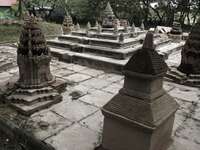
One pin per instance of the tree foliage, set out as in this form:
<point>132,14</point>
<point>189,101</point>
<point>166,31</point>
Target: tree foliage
<point>163,13</point>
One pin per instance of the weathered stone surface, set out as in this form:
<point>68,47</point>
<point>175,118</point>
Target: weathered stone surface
<point>188,94</point>
<point>189,135</point>
<point>94,122</point>
<point>81,138</point>
<point>74,110</point>
<point>96,83</point>
<point>77,77</point>
<point>47,124</point>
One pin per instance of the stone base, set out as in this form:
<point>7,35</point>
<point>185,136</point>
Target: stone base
<point>120,135</point>
<point>29,101</point>
<point>176,76</point>
<point>167,147</point>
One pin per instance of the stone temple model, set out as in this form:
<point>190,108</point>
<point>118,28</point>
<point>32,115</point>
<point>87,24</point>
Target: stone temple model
<point>188,72</point>
<point>107,46</point>
<point>141,115</point>
<point>36,88</point>
<point>68,25</point>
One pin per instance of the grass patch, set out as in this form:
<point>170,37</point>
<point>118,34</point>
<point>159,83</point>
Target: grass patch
<point>11,33</point>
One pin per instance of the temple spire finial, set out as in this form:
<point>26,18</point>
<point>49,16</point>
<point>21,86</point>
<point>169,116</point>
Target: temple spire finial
<point>149,42</point>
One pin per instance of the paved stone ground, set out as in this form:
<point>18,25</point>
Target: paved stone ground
<point>76,123</point>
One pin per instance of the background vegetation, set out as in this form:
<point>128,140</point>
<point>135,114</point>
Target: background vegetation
<point>152,12</point>
<point>11,33</point>
<point>162,13</point>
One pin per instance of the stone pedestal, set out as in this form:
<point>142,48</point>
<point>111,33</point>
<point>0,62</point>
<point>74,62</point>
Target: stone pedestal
<point>141,115</point>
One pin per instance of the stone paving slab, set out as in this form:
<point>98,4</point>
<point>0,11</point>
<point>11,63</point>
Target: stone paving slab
<point>189,134</point>
<point>74,110</point>
<point>97,83</point>
<point>47,124</point>
<point>97,98</point>
<point>94,122</point>
<point>75,137</point>
<point>77,77</point>
<point>189,95</point>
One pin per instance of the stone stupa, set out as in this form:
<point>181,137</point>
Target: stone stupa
<point>37,88</point>
<point>141,115</point>
<point>68,25</point>
<point>109,18</point>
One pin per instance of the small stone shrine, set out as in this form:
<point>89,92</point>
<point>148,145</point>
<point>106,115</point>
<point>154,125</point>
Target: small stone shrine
<point>36,88</point>
<point>188,72</point>
<point>141,115</point>
<point>190,62</point>
<point>68,25</point>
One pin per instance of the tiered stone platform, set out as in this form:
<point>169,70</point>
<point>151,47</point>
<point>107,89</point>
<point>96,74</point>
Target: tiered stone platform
<point>29,101</point>
<point>105,50</point>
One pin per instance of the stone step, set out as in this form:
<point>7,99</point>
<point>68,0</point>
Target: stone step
<point>177,73</point>
<point>174,77</point>
<point>89,59</point>
<point>32,99</point>
<point>29,110</point>
<point>194,76</point>
<point>34,91</point>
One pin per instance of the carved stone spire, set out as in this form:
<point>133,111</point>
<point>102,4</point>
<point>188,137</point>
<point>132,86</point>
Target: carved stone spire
<point>108,10</point>
<point>108,17</point>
